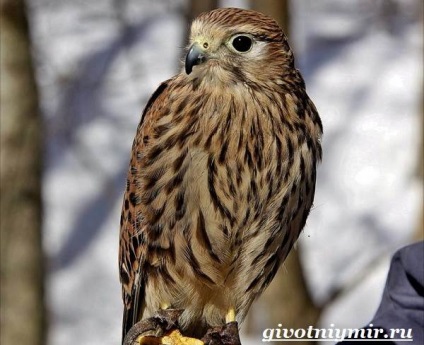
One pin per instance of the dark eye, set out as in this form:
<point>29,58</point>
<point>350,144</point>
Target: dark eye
<point>242,43</point>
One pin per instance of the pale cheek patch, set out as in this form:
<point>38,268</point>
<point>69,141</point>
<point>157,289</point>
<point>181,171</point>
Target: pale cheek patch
<point>258,51</point>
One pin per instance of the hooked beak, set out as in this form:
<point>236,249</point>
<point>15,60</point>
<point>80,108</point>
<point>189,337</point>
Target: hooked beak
<point>195,56</point>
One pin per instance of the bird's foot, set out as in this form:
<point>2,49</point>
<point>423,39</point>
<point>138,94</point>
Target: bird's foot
<point>159,329</point>
<point>225,335</point>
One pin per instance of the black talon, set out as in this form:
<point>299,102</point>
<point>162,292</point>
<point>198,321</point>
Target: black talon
<point>225,335</point>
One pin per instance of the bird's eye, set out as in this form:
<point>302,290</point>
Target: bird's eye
<point>242,43</point>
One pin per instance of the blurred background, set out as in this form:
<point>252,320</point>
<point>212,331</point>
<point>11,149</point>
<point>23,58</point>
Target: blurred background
<point>75,76</point>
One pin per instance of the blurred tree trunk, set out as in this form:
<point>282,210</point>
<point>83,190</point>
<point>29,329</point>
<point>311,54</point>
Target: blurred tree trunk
<point>277,9</point>
<point>419,233</point>
<point>22,301</point>
<point>287,300</point>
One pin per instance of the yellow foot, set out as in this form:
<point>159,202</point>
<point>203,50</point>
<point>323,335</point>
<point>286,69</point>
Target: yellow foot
<point>230,316</point>
<point>172,338</point>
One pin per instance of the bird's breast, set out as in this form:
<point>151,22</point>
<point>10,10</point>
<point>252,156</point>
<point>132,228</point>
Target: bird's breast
<point>205,180</point>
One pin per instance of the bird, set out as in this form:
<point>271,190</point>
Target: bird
<point>221,177</point>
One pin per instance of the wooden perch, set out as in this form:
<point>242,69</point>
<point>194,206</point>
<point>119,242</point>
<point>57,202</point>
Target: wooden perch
<point>163,329</point>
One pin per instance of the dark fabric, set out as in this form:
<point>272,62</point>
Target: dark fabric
<point>402,304</point>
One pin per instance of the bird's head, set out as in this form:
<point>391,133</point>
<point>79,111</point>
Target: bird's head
<point>232,45</point>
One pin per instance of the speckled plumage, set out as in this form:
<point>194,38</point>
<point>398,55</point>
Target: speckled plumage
<point>221,178</point>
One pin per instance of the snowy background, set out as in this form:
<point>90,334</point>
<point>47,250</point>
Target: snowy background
<point>99,61</point>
